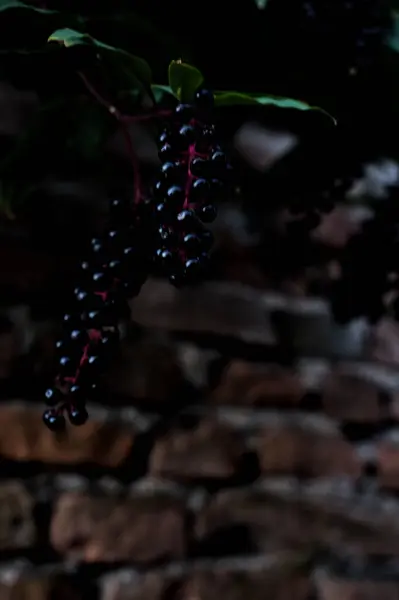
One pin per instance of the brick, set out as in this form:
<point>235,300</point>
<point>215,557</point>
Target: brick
<point>141,529</point>
<point>388,464</point>
<point>226,309</point>
<point>24,437</point>
<point>275,522</point>
<point>209,451</point>
<point>258,385</point>
<point>384,343</point>
<point>17,527</point>
<point>291,450</point>
<point>26,589</point>
<point>241,585</point>
<point>40,587</point>
<point>134,586</point>
<point>350,398</point>
<point>146,371</point>
<point>332,588</point>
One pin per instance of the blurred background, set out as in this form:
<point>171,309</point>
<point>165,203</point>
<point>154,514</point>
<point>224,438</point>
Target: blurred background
<point>248,445</point>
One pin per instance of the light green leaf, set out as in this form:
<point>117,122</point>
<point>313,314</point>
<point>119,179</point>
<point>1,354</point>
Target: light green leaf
<point>130,71</point>
<point>238,98</point>
<point>184,79</point>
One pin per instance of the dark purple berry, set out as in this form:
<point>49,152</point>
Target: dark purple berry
<point>53,396</point>
<point>166,152</point>
<point>184,111</point>
<point>170,170</point>
<point>186,218</point>
<point>175,196</point>
<point>54,420</point>
<point>204,99</point>
<point>187,134</point>
<point>77,415</point>
<point>191,242</point>
<point>199,189</point>
<point>198,166</point>
<point>207,213</point>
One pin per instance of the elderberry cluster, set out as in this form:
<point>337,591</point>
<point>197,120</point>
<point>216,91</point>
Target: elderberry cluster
<point>113,272</point>
<point>193,178</point>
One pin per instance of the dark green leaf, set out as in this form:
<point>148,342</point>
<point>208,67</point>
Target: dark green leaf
<point>393,39</point>
<point>128,70</point>
<point>22,6</point>
<point>162,93</point>
<point>184,79</point>
<point>238,98</point>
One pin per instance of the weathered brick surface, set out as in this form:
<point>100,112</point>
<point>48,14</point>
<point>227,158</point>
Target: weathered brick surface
<point>133,586</point>
<point>292,450</point>
<point>23,437</point>
<point>349,398</point>
<point>209,451</point>
<point>245,585</point>
<point>335,588</point>
<point>388,463</point>
<point>249,384</point>
<point>17,527</point>
<point>221,309</point>
<point>141,529</point>
<point>146,371</point>
<point>277,522</point>
<point>40,587</point>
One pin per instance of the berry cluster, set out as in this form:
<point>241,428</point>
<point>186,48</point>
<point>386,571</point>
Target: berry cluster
<point>192,178</point>
<point>166,231</point>
<point>113,272</point>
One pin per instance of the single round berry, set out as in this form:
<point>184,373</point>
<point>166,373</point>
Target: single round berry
<point>77,415</point>
<point>54,420</point>
<point>199,166</point>
<point>204,99</point>
<point>170,170</point>
<point>192,243</point>
<point>71,320</point>
<point>114,268</point>
<point>116,236</point>
<point>101,281</point>
<point>192,268</point>
<point>184,111</point>
<point>175,196</point>
<point>199,189</point>
<point>78,336</point>
<point>77,394</point>
<point>218,157</point>
<point>67,366</point>
<point>186,218</point>
<point>166,152</point>
<point>187,134</point>
<point>165,257</point>
<point>85,266</point>
<point>52,396</point>
<point>207,213</point>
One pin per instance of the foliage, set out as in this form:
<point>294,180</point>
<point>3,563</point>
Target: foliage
<point>52,49</point>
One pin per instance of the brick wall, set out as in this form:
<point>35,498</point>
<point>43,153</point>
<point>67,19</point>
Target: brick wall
<point>248,448</point>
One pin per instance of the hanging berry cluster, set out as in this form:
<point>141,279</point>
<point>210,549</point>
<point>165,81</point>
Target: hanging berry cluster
<point>192,178</point>
<point>164,233</point>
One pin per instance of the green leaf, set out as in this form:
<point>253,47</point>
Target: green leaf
<point>184,79</point>
<point>393,38</point>
<point>130,71</point>
<point>238,98</point>
<point>16,5</point>
<point>162,93</point>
